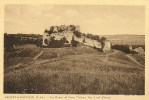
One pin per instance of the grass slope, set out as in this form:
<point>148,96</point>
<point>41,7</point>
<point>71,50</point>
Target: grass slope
<point>81,70</point>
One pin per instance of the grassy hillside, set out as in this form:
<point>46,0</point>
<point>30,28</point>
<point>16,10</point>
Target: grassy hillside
<point>81,70</point>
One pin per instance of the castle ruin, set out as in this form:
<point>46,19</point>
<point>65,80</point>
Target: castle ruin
<point>60,36</point>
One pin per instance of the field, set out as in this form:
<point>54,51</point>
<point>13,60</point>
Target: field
<point>126,39</point>
<point>77,70</point>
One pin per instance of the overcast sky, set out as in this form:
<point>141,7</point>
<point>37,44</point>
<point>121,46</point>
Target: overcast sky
<point>95,19</point>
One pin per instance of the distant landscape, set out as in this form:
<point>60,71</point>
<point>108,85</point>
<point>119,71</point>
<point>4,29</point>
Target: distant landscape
<point>126,39</point>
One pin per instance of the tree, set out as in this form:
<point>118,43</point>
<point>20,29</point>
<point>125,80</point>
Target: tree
<point>83,40</point>
<point>73,42</point>
<point>77,34</point>
<point>103,39</point>
<point>46,31</point>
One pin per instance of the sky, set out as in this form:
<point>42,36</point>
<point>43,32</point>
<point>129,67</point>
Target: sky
<point>95,19</point>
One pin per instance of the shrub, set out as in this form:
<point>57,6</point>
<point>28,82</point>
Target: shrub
<point>57,43</point>
<point>77,34</point>
<point>125,48</point>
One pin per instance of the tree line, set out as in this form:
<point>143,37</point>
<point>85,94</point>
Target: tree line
<point>11,40</point>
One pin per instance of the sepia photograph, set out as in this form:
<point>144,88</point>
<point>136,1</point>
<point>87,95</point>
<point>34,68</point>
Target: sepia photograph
<point>74,49</point>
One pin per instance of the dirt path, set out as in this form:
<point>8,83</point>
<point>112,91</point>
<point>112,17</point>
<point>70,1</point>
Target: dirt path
<point>21,65</point>
<point>38,55</point>
<point>134,60</point>
<point>35,61</point>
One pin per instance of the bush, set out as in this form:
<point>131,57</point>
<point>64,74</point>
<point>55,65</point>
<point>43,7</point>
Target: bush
<point>77,34</point>
<point>103,39</point>
<point>74,43</point>
<point>125,48</point>
<point>57,43</point>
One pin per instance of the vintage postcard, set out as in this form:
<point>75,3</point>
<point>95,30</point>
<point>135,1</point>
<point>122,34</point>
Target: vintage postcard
<point>74,50</point>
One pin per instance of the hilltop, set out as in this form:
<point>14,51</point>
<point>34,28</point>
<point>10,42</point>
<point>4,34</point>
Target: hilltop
<point>75,70</point>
